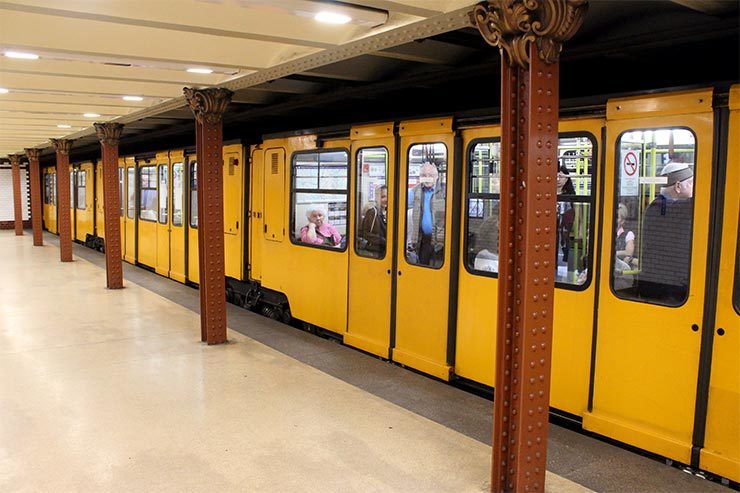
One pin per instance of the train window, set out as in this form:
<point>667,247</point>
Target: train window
<point>177,194</point>
<point>120,189</point>
<point>47,188</point>
<point>319,214</point>
<point>574,209</point>
<point>372,202</point>
<point>481,225</point>
<point>163,193</point>
<point>653,210</point>
<point>194,194</point>
<point>131,185</point>
<point>72,190</point>
<point>148,193</point>
<point>426,205</point>
<point>81,189</point>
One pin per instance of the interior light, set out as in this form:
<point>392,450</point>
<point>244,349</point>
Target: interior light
<point>90,115</point>
<point>18,54</point>
<point>332,18</point>
<point>3,90</point>
<point>133,98</point>
<point>200,70</point>
<point>62,125</point>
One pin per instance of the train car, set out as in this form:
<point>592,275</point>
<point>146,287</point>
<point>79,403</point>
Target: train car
<point>50,200</point>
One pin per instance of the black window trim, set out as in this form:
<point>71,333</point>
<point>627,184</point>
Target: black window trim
<point>159,191</point>
<point>182,187</point>
<point>357,178</point>
<point>615,204</point>
<point>293,191</point>
<point>192,174</point>
<point>79,171</point>
<point>141,189</point>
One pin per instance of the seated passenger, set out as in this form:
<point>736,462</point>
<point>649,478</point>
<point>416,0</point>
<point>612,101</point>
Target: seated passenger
<point>375,224</point>
<point>625,240</point>
<point>319,232</point>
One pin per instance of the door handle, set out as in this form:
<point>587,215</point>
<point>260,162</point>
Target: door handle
<point>399,272</point>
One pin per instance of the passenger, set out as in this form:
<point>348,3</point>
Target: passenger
<point>375,224</point>
<point>666,237</point>
<point>625,240</point>
<point>487,240</point>
<point>319,232</point>
<point>566,213</point>
<point>426,231</point>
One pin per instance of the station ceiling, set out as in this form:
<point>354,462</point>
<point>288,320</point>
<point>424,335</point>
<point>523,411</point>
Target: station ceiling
<point>394,59</point>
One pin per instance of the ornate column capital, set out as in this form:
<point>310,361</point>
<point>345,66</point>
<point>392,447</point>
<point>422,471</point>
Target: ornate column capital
<point>512,25</point>
<point>62,145</point>
<point>208,105</point>
<point>32,153</point>
<point>109,133</point>
<point>15,159</point>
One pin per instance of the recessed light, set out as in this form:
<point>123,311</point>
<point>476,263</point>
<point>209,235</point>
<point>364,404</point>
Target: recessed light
<point>196,70</point>
<point>133,98</point>
<point>19,54</point>
<point>62,125</point>
<point>332,18</point>
<point>90,115</point>
<point>3,90</point>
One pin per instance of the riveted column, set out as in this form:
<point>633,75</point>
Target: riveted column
<point>33,166</point>
<point>62,147</point>
<point>209,105</point>
<point>530,35</point>
<point>109,135</point>
<point>15,165</point>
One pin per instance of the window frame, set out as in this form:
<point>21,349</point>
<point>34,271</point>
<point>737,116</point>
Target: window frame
<point>294,190</point>
<point>357,184</point>
<point>79,172</point>
<point>122,190</point>
<point>192,173</point>
<point>130,198</point>
<point>141,189</point>
<point>166,192</point>
<point>615,204</point>
<point>182,188</point>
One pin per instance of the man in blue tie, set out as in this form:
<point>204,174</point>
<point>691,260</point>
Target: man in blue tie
<point>426,231</point>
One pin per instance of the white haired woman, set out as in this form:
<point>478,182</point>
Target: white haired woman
<point>318,231</point>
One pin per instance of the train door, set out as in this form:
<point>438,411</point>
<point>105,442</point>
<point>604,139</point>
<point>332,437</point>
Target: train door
<point>371,251</point>
<point>256,208</point>
<point>130,217</point>
<point>146,224</point>
<point>99,211</point>
<point>72,202</point>
<point>84,210</point>
<point>177,230</point>
<point>424,246</point>
<point>653,271</point>
<point>721,452</point>
<point>193,266</point>
<point>122,203</point>
<point>162,266</point>
<point>51,201</point>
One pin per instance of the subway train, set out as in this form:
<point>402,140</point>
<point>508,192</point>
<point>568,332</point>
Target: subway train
<point>385,235</point>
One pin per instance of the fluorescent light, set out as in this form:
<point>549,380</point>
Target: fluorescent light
<point>18,54</point>
<point>62,125</point>
<point>196,70</point>
<point>3,90</point>
<point>90,115</point>
<point>133,98</point>
<point>332,18</point>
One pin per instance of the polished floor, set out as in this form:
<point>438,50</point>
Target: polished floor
<point>112,391</point>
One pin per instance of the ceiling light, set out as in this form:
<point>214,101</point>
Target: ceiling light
<point>200,70</point>
<point>18,54</point>
<point>62,125</point>
<point>133,98</point>
<point>90,115</point>
<point>3,90</point>
<point>332,18</point>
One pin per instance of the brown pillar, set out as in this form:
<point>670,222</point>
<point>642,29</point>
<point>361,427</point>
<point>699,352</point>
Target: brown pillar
<point>209,105</point>
<point>529,144</point>
<point>15,164</point>
<point>33,167</point>
<point>62,147</point>
<point>109,135</point>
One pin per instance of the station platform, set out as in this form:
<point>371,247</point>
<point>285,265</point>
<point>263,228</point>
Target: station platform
<point>113,391</point>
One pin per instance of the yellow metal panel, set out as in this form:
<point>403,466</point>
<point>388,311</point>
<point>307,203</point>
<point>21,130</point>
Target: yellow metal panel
<point>192,232</point>
<point>233,183</point>
<point>647,355</point>
<point>368,324</point>
<point>177,232</point>
<point>85,215</point>
<point>735,100</point>
<point>721,452</point>
<point>374,130</point>
<point>163,229</point>
<point>99,212</point>
<point>677,103</point>
<point>425,127</point>
<point>276,188</point>
<point>256,211</point>
<point>129,222</point>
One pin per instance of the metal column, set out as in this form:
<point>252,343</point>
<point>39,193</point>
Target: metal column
<point>62,147</point>
<point>208,106</point>
<point>109,135</point>
<point>530,35</point>
<point>33,167</point>
<point>15,164</point>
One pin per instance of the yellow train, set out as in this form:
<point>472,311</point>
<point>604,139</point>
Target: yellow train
<point>407,271</point>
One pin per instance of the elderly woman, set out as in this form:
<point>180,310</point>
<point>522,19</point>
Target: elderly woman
<point>318,231</point>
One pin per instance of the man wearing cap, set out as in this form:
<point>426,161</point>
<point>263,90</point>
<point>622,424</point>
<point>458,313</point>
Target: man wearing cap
<point>666,238</point>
